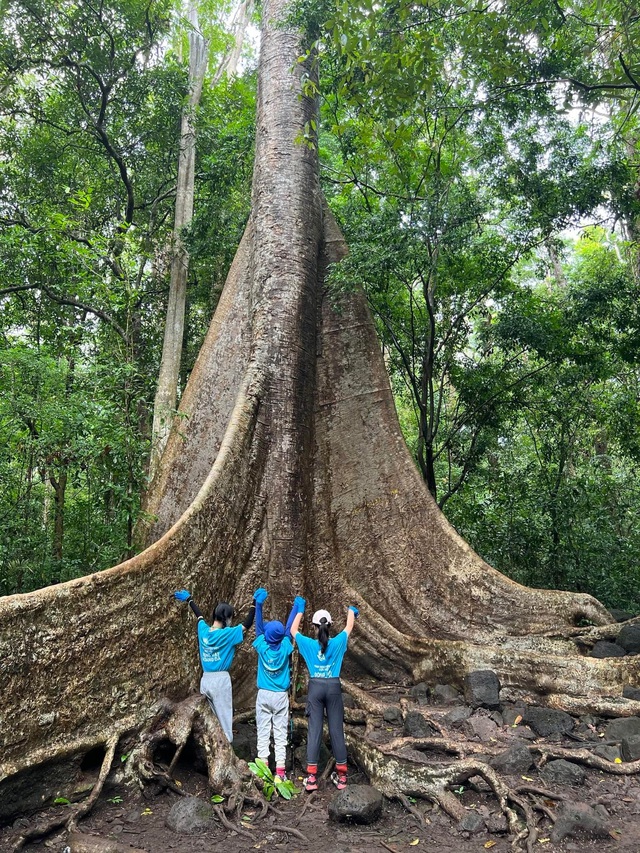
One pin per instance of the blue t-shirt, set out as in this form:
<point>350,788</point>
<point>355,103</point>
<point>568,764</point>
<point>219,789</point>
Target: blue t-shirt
<point>273,664</point>
<point>325,665</point>
<point>218,646</point>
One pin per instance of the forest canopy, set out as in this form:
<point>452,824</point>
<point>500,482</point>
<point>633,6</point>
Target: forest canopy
<point>482,161</point>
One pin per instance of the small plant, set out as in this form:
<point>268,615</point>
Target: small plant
<point>217,799</point>
<point>272,784</point>
<point>115,800</point>
<point>459,790</point>
<point>61,801</point>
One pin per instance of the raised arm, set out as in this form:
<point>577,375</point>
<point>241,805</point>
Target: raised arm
<point>248,619</point>
<point>185,595</point>
<point>259,597</point>
<point>352,615</point>
<point>295,617</point>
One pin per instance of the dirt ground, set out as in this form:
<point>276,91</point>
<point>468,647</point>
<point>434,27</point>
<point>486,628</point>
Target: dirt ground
<point>131,819</point>
<point>136,820</point>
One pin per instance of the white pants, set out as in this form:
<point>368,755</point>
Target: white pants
<point>272,709</point>
<point>216,686</point>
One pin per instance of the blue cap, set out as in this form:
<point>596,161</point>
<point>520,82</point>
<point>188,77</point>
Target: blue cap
<point>274,632</point>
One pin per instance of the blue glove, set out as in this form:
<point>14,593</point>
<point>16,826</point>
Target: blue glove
<point>300,603</point>
<point>260,595</point>
<point>354,610</point>
<point>182,595</point>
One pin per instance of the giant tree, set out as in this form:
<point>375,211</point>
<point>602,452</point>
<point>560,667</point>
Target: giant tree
<point>288,470</point>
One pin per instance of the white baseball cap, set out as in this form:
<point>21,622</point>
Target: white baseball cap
<point>319,615</point>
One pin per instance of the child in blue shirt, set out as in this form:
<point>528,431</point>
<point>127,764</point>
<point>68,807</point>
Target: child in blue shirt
<point>323,657</point>
<point>217,645</point>
<point>274,645</point>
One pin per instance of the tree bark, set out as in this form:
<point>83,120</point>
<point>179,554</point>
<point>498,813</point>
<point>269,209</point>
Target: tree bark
<point>287,469</point>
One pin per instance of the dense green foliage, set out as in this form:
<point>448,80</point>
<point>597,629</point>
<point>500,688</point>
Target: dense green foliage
<point>464,157</point>
<point>482,161</point>
<point>89,134</point>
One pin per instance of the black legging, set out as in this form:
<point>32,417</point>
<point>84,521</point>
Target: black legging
<point>325,693</point>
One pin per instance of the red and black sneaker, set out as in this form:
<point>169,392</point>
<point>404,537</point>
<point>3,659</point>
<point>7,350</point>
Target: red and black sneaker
<point>311,783</point>
<point>339,780</point>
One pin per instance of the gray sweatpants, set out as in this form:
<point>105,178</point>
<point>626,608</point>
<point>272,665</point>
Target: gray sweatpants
<point>216,686</point>
<point>272,709</point>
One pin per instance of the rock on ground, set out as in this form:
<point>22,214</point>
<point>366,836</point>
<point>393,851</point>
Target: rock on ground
<point>445,694</point>
<point>416,726</point>
<point>547,721</point>
<point>563,772</point>
<point>357,803</point>
<point>629,639</point>
<point>516,759</point>
<point>190,815</point>
<point>621,728</point>
<point>605,649</point>
<point>482,689</point>
<point>578,819</point>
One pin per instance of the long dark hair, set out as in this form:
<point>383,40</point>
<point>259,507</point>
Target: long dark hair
<point>223,613</point>
<point>323,634</point>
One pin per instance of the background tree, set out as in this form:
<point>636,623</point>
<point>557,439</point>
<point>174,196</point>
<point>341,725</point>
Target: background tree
<point>88,180</point>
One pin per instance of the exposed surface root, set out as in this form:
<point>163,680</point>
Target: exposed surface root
<point>584,756</point>
<point>70,821</point>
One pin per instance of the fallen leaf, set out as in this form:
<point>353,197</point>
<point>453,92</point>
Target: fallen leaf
<point>615,833</point>
<point>528,778</point>
<point>489,844</point>
<point>414,842</point>
<point>147,811</point>
<point>178,783</point>
<point>517,720</point>
<point>617,761</point>
<point>544,840</point>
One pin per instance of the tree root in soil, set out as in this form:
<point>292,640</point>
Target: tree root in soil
<point>229,776</point>
<point>393,767</point>
<point>393,770</point>
<point>70,822</point>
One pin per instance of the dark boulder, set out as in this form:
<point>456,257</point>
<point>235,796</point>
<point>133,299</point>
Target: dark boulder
<point>547,721</point>
<point>392,715</point>
<point>604,649</point>
<point>629,638</point>
<point>563,773</point>
<point>576,820</point>
<point>517,759</point>
<point>482,689</point>
<point>456,716</point>
<point>621,728</point>
<point>445,694</point>
<point>416,726</point>
<point>630,748</point>
<point>357,803</point>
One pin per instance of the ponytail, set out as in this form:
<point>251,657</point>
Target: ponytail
<point>323,634</point>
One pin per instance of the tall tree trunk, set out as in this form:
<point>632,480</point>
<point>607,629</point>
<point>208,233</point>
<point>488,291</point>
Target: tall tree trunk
<point>266,483</point>
<point>167,389</point>
<point>59,484</point>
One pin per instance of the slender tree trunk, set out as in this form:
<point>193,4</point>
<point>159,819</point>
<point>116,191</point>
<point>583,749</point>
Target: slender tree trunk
<point>169,374</point>
<point>59,484</point>
<point>167,389</point>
